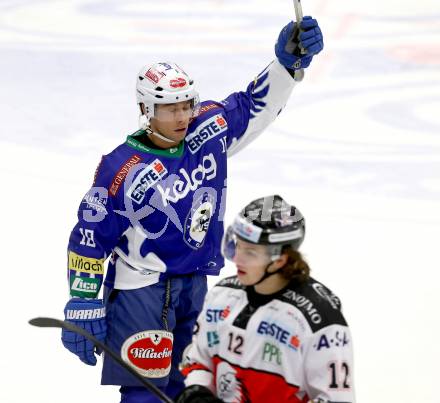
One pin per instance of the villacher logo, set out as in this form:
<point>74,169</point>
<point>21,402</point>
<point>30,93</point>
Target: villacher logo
<point>149,352</point>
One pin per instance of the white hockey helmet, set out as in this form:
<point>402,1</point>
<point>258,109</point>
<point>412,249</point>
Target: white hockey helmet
<point>164,83</point>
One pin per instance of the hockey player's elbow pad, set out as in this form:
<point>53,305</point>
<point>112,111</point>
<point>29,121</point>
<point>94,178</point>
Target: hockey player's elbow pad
<point>89,315</point>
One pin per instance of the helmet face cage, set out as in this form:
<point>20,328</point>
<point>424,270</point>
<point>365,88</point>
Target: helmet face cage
<point>165,83</point>
<point>267,221</point>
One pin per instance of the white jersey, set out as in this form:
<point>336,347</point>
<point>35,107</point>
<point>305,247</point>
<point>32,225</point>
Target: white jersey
<point>292,346</point>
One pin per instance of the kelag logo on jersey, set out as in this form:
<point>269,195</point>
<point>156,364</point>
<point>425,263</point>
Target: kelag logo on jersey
<point>175,188</point>
<point>150,175</point>
<point>206,131</point>
<point>198,219</point>
<point>279,334</point>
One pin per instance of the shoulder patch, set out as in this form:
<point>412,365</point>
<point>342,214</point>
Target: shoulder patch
<point>317,303</point>
<point>122,173</point>
<point>207,107</point>
<point>206,130</point>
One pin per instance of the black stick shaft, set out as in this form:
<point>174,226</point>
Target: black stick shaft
<point>52,322</point>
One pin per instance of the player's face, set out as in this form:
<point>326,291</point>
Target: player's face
<point>251,261</point>
<point>172,120</point>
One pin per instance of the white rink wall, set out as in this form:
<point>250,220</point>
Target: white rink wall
<point>357,149</point>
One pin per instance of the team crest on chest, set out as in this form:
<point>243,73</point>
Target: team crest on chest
<point>198,220</point>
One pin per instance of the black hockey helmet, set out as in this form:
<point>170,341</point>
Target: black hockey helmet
<point>268,221</point>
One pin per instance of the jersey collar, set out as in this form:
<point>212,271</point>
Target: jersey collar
<point>173,152</point>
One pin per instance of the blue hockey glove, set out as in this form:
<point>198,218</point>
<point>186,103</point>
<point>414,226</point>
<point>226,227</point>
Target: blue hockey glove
<point>291,40</point>
<point>90,315</point>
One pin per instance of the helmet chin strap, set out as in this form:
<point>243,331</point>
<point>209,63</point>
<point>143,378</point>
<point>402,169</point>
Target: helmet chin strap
<point>144,125</point>
<point>161,136</point>
<point>265,275</point>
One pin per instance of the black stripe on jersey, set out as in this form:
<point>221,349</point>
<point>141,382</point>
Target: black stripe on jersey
<point>243,317</point>
<point>320,307</point>
<point>230,282</point>
<point>255,300</point>
<point>318,304</point>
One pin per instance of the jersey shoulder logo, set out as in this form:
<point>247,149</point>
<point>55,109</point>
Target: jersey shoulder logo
<point>206,131</point>
<point>317,304</point>
<point>122,173</point>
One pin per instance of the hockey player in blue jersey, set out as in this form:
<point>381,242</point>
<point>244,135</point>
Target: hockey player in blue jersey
<point>155,211</point>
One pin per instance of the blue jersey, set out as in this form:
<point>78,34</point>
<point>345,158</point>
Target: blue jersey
<point>159,212</point>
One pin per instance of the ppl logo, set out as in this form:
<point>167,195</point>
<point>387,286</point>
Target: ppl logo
<point>149,352</point>
<point>149,176</point>
<point>279,334</point>
<point>178,83</point>
<point>209,129</point>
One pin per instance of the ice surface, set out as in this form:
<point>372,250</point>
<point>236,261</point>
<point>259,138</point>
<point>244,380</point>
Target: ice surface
<point>357,149</point>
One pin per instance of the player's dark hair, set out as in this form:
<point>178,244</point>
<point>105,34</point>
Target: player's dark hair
<point>296,267</point>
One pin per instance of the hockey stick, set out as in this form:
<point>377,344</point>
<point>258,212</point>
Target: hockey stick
<point>299,18</point>
<point>299,73</point>
<point>52,322</point>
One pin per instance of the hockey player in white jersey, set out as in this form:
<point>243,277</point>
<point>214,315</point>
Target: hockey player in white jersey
<point>271,333</point>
